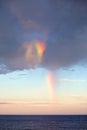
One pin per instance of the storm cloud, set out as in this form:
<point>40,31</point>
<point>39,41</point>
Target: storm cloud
<point>61,24</point>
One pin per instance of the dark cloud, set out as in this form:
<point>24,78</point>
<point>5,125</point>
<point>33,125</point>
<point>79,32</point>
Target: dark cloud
<point>62,24</point>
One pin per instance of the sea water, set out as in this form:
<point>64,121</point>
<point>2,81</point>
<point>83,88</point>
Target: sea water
<point>43,122</point>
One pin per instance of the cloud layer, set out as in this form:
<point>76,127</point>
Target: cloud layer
<point>62,25</point>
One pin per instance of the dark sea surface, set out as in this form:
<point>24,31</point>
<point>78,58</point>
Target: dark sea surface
<point>43,122</point>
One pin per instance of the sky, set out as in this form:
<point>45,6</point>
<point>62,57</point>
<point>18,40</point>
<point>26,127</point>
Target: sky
<point>43,57</point>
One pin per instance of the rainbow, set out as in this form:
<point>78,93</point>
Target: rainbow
<point>51,86</point>
<point>39,49</point>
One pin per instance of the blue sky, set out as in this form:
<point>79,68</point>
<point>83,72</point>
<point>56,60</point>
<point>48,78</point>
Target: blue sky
<point>30,86</point>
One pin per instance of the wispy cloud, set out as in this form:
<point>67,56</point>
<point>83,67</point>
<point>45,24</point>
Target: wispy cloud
<point>5,103</point>
<point>31,103</point>
<point>80,97</point>
<point>71,80</point>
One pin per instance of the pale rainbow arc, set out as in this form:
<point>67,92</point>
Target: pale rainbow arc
<point>51,86</point>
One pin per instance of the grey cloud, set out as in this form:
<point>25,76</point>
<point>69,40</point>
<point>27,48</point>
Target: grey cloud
<point>62,24</point>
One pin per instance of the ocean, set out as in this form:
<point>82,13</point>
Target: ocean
<point>43,122</point>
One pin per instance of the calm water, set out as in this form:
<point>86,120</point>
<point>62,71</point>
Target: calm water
<point>10,122</point>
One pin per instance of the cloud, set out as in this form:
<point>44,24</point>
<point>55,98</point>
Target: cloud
<point>5,103</point>
<point>80,98</point>
<point>71,80</point>
<point>61,24</point>
<point>31,103</point>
